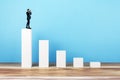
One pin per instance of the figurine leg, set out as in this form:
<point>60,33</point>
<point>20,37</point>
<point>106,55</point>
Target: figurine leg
<point>28,24</point>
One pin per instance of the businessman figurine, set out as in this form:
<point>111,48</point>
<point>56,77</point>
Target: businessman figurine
<point>28,13</point>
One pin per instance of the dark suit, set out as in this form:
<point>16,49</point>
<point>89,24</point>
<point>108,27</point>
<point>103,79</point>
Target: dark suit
<point>28,13</point>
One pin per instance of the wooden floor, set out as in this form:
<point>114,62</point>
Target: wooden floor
<point>107,72</point>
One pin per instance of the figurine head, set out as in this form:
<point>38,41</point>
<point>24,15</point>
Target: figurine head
<point>28,10</point>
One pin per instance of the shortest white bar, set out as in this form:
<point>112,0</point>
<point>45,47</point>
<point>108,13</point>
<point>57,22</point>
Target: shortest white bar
<point>95,64</point>
<point>61,58</point>
<point>78,62</point>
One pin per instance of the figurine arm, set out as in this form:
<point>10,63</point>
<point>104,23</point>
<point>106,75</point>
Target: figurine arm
<point>30,12</point>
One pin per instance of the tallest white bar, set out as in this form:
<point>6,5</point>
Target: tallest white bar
<point>26,48</point>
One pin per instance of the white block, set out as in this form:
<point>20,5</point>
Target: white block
<point>78,62</point>
<point>61,58</point>
<point>43,53</point>
<point>95,64</point>
<point>26,48</point>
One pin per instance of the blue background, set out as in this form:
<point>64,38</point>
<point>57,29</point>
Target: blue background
<point>84,28</point>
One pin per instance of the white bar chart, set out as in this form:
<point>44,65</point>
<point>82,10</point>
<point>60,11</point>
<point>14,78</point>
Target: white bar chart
<point>26,48</point>
<point>43,53</point>
<point>78,62</point>
<point>61,58</point>
<point>26,54</point>
<point>95,64</point>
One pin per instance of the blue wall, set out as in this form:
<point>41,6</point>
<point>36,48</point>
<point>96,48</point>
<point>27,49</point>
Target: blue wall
<point>85,28</point>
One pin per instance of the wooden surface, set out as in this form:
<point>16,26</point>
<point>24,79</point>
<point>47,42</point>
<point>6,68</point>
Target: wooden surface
<point>107,70</point>
<point>60,72</point>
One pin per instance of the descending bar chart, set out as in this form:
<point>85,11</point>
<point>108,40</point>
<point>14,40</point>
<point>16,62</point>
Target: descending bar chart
<point>26,48</point>
<point>26,61</point>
